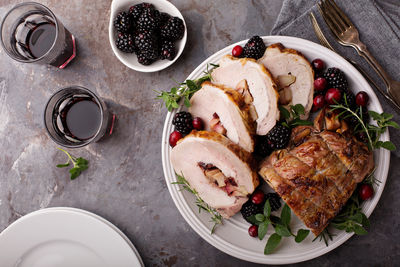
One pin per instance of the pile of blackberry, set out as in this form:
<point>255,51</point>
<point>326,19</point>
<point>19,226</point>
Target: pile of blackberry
<point>148,33</point>
<point>254,48</point>
<point>249,208</point>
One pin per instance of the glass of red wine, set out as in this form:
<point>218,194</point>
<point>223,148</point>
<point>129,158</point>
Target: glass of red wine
<point>31,33</point>
<point>74,117</point>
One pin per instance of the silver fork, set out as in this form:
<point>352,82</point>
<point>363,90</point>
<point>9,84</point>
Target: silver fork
<point>347,34</point>
<point>322,39</point>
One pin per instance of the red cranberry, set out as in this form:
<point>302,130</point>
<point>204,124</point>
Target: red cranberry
<point>333,96</point>
<point>319,102</point>
<point>253,230</point>
<point>257,197</point>
<point>320,84</point>
<point>174,137</point>
<point>366,191</point>
<point>318,64</point>
<point>237,51</point>
<point>198,124</point>
<point>362,99</point>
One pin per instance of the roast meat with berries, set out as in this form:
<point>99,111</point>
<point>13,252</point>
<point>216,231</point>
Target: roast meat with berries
<point>223,182</point>
<point>317,173</point>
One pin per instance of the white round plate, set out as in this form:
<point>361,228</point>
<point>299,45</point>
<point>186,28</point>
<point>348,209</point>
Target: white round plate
<point>65,237</point>
<point>130,60</point>
<point>232,237</point>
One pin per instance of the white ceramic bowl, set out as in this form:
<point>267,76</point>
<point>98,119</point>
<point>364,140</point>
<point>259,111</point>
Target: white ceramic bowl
<point>232,237</point>
<point>130,60</point>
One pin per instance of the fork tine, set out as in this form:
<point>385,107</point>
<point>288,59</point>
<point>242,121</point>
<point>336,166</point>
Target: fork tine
<point>341,13</point>
<point>335,16</point>
<point>328,21</point>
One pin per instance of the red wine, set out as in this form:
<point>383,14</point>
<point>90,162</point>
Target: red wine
<point>35,35</point>
<point>41,39</point>
<point>77,117</point>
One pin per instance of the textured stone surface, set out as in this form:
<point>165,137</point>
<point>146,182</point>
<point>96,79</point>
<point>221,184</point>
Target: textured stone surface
<point>125,182</point>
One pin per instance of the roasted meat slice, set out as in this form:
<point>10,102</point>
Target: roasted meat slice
<point>263,90</point>
<point>294,74</point>
<point>201,152</point>
<point>213,103</point>
<point>317,174</point>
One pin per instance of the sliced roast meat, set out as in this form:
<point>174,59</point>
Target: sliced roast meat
<point>263,90</point>
<point>201,152</point>
<point>284,64</point>
<point>224,110</point>
<point>317,173</point>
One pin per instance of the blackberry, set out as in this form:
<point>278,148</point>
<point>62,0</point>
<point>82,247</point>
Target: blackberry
<point>263,147</point>
<point>249,209</point>
<point>336,79</point>
<point>125,43</point>
<point>350,99</point>
<point>173,30</point>
<point>183,122</point>
<point>147,43</point>
<point>167,50</point>
<point>135,11</point>
<point>123,22</point>
<point>148,20</point>
<point>254,48</point>
<point>279,136</point>
<point>143,59</point>
<point>274,201</point>
<point>164,17</point>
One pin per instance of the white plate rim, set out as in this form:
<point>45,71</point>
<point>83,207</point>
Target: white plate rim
<point>79,212</point>
<point>202,230</point>
<point>115,7</point>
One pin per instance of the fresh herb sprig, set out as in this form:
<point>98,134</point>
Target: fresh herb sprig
<point>185,90</point>
<point>215,216</point>
<point>292,116</point>
<point>79,164</point>
<point>373,132</point>
<point>280,225</point>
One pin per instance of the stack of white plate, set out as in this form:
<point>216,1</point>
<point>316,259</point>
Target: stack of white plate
<point>58,237</point>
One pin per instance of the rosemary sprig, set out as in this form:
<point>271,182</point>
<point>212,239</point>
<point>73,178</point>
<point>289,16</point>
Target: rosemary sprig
<point>184,90</point>
<point>325,235</point>
<point>215,216</point>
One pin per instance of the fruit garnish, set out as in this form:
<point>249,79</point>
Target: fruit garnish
<point>253,230</point>
<point>362,99</point>
<point>198,124</point>
<point>254,48</point>
<point>174,137</point>
<point>320,84</point>
<point>366,191</point>
<point>257,197</point>
<point>237,51</point>
<point>332,96</point>
<point>318,64</point>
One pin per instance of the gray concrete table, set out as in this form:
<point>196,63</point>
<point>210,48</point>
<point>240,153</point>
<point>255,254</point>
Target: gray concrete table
<point>125,182</point>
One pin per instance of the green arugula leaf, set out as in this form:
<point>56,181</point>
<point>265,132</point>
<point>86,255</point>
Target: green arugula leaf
<point>272,243</point>
<point>301,235</point>
<point>285,215</point>
<point>262,229</point>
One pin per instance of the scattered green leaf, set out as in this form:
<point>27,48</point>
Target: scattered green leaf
<point>272,243</point>
<point>79,164</point>
<point>301,235</point>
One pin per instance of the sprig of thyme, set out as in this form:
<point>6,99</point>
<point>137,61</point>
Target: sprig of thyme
<point>185,90</point>
<point>373,132</point>
<point>215,216</point>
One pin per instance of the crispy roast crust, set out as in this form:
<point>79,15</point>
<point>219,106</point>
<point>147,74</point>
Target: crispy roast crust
<point>317,174</point>
<point>243,155</point>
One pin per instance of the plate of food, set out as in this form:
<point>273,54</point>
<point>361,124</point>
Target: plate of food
<point>275,150</point>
